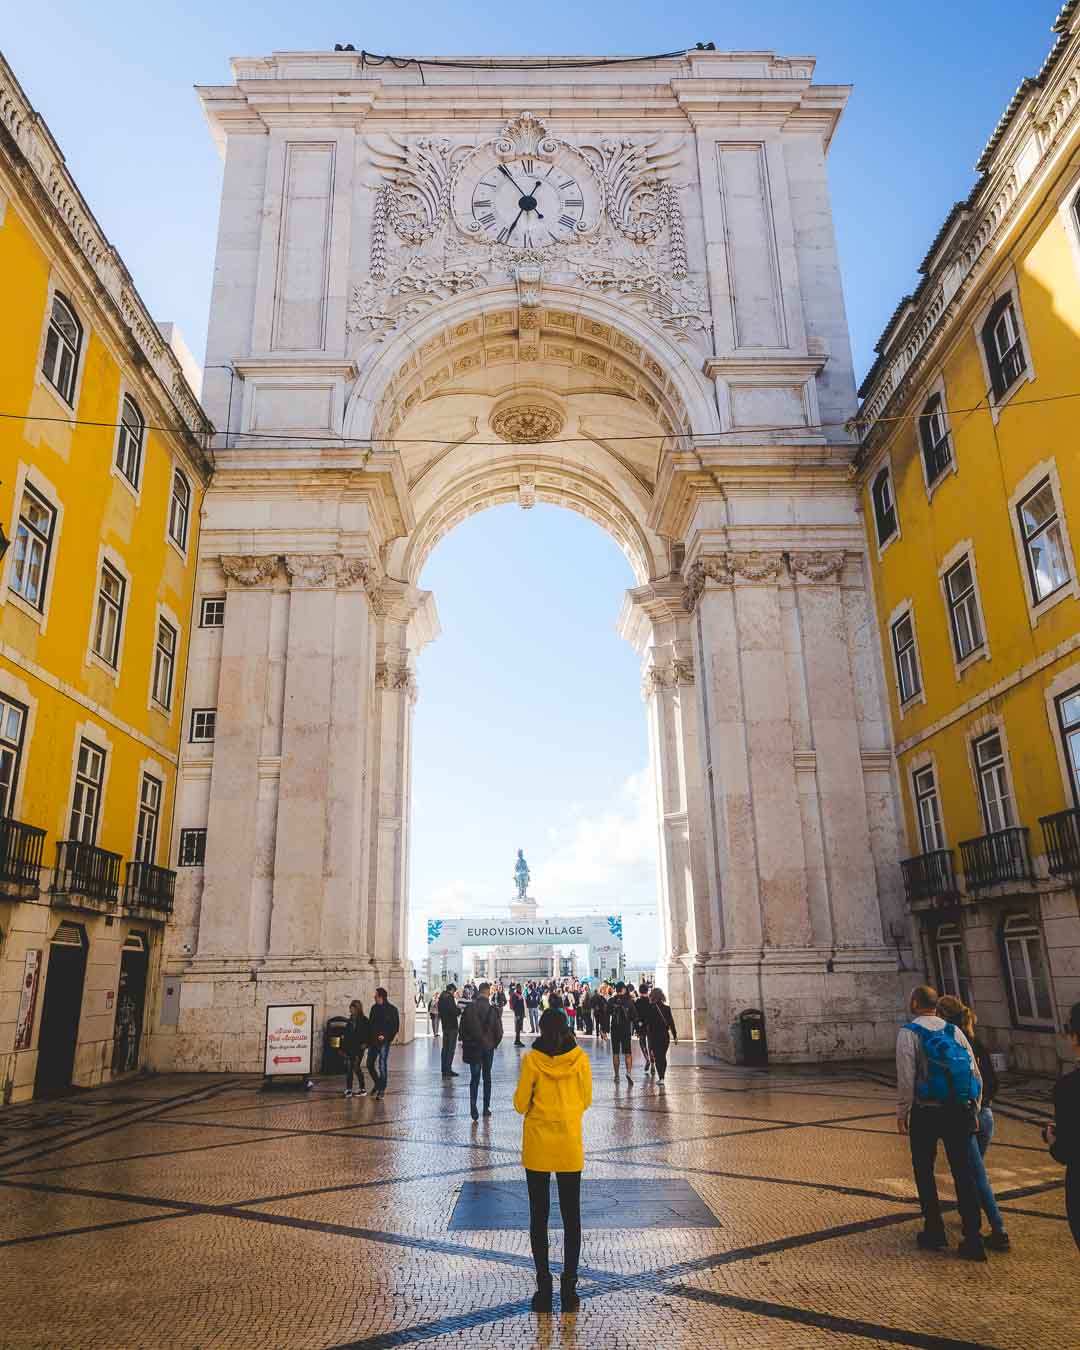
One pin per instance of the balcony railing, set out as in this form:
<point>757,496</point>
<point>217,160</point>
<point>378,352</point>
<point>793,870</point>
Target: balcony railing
<point>930,876</point>
<point>150,887</point>
<point>996,859</point>
<point>20,852</point>
<point>1061,835</point>
<point>937,456</point>
<point>86,870</point>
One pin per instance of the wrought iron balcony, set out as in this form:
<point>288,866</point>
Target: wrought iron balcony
<point>937,457</point>
<point>87,872</point>
<point>150,887</point>
<point>21,847</point>
<point>1061,835</point>
<point>997,859</point>
<point>930,876</point>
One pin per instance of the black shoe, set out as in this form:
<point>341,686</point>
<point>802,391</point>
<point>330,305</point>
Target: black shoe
<point>932,1239</point>
<point>972,1249</point>
<point>568,1294</point>
<point>629,1081</point>
<point>474,1113</point>
<point>487,1110</point>
<point>998,1241</point>
<point>541,1300</point>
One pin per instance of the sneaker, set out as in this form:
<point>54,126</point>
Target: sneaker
<point>629,1081</point>
<point>348,1092</point>
<point>487,1110</point>
<point>660,1081</point>
<point>474,1113</point>
<point>932,1239</point>
<point>998,1241</point>
<point>972,1249</point>
<point>362,1092</point>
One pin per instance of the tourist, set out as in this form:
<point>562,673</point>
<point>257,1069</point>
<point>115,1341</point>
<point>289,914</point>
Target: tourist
<point>598,1006</point>
<point>660,1032</point>
<point>585,1011</point>
<point>354,1041</point>
<point>938,1090</point>
<point>433,1013</point>
<point>517,1007</point>
<point>641,1008</point>
<point>1064,1135</point>
<point>553,1093</point>
<point>385,1024</point>
<point>449,1015</point>
<point>532,1005</point>
<point>481,1031</point>
<point>622,1030</point>
<point>962,1016</point>
<point>499,998</point>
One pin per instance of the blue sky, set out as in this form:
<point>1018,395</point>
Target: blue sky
<point>530,729</point>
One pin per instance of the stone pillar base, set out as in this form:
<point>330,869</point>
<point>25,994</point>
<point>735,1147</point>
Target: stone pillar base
<point>683,980</point>
<point>819,1004</point>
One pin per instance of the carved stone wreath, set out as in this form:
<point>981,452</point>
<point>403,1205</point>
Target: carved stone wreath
<point>527,424</point>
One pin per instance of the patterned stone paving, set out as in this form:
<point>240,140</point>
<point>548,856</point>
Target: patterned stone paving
<point>198,1212</point>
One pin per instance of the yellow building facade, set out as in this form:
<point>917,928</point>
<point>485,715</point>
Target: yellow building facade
<point>102,473</point>
<point>970,470</point>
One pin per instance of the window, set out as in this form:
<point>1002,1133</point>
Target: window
<point>213,612</point>
<point>928,810</point>
<point>129,442</point>
<point>33,545</point>
<point>993,783</point>
<point>86,800</point>
<point>934,438</point>
<point>1026,969</point>
<point>109,616</point>
<point>952,963</point>
<point>12,726</point>
<point>1004,348</point>
<point>908,679</point>
<point>963,609</point>
<point>203,724</point>
<point>164,663</point>
<point>149,814</point>
<point>884,507</point>
<point>179,509</point>
<point>62,345</point>
<point>1044,547</point>
<point>192,848</point>
<point>1068,706</point>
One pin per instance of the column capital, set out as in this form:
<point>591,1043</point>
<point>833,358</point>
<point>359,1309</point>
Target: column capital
<point>314,570</point>
<point>664,678</point>
<point>397,678</point>
<point>817,566</point>
<point>250,569</point>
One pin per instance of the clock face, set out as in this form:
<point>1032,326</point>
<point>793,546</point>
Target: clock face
<point>527,202</point>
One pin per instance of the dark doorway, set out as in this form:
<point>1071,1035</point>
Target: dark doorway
<point>61,1009</point>
<point>130,1002</point>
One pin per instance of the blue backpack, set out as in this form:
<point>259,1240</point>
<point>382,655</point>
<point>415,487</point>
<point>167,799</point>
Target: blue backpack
<point>951,1078</point>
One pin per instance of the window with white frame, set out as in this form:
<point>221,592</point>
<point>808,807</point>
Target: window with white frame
<point>109,616</point>
<point>192,848</point>
<point>1068,708</point>
<point>12,728</point>
<point>1044,546</point>
<point>146,834</point>
<point>31,554</point>
<point>952,962</point>
<point>164,663</point>
<point>86,799</point>
<point>994,793</point>
<point>1025,965</point>
<point>129,441</point>
<point>964,617</point>
<point>884,506</point>
<point>212,614</point>
<point>908,679</point>
<point>63,342</point>
<point>928,809</point>
<point>203,724</point>
<point>934,438</point>
<point>179,509</point>
<point>1003,347</point>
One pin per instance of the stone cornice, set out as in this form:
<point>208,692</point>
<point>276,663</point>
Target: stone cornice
<point>768,566</point>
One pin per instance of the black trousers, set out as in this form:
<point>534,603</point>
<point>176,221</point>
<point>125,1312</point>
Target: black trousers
<point>569,1184</point>
<point>951,1126</point>
<point>1072,1199</point>
<point>659,1053</point>
<point>449,1045</point>
<point>519,1026</point>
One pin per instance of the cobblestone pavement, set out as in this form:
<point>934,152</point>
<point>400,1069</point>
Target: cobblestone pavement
<point>202,1211</point>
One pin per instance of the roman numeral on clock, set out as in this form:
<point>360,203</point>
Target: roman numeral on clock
<point>487,219</point>
<point>567,222</point>
<point>563,186</point>
<point>528,165</point>
<point>481,202</point>
<point>574,201</point>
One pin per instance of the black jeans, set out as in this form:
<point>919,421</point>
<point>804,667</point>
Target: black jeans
<point>659,1053</point>
<point>354,1064</point>
<point>952,1126</point>
<point>569,1184</point>
<point>519,1026</point>
<point>449,1045</point>
<point>480,1064</point>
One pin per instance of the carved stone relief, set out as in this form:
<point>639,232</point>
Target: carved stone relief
<point>250,570</point>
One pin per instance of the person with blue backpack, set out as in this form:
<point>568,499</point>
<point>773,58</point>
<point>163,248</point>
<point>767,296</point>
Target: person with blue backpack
<point>939,1092</point>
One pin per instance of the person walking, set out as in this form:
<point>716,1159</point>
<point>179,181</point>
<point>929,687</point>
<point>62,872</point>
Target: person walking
<point>938,1090</point>
<point>481,1031</point>
<point>641,1008</point>
<point>553,1093</point>
<point>659,1032</point>
<point>355,1039</point>
<point>1064,1135</point>
<point>517,1007</point>
<point>532,1006</point>
<point>598,1006</point>
<point>385,1025</point>
<point>449,1016</point>
<point>622,1030</point>
<point>433,1013</point>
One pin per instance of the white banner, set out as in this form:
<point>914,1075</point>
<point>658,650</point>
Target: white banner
<point>289,1031</point>
<point>594,931</point>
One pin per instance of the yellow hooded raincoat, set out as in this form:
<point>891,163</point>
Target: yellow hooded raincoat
<point>553,1093</point>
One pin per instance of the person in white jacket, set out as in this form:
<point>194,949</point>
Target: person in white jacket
<point>926,1121</point>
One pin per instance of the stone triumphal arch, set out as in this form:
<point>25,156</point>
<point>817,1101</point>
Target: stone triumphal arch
<point>610,287</point>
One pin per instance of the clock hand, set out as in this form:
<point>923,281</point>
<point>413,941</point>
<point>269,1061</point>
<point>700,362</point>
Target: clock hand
<point>532,194</point>
<point>510,231</point>
<point>504,170</point>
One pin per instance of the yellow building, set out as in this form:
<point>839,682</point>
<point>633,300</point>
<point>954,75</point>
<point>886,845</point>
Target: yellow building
<point>970,467</point>
<point>102,473</point>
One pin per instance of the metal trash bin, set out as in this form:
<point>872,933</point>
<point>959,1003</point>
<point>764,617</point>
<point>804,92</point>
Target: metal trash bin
<point>333,1059</point>
<point>753,1045</point>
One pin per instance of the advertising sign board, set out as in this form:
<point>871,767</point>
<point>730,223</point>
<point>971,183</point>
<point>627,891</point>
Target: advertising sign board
<point>24,1027</point>
<point>290,1028</point>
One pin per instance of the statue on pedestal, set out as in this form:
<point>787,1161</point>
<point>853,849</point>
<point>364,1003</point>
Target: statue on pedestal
<point>521,875</point>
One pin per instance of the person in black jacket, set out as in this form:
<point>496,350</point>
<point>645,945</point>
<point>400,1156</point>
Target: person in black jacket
<point>385,1024</point>
<point>517,1007</point>
<point>659,1032</point>
<point>449,1016</point>
<point>481,1032</point>
<point>355,1039</point>
<point>621,1009</point>
<point>1064,1135</point>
